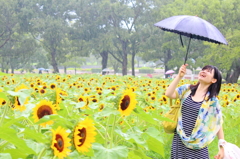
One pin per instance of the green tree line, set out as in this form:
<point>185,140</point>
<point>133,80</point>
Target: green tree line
<point>59,33</point>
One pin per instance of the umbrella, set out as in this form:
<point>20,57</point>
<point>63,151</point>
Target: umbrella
<point>192,27</point>
<point>106,70</point>
<point>169,72</point>
<point>41,69</point>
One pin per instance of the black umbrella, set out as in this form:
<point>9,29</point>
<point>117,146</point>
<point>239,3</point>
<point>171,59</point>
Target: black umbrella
<point>192,27</point>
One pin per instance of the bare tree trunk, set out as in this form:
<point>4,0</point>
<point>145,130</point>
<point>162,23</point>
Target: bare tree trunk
<point>232,77</point>
<point>166,59</point>
<point>104,55</point>
<point>133,68</point>
<point>125,60</point>
<point>54,62</point>
<point>65,69</point>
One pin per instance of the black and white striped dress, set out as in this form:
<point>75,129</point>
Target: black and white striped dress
<point>190,111</point>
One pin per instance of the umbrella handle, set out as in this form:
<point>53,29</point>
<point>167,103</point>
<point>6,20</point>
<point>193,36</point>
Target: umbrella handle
<point>187,49</point>
<point>181,40</point>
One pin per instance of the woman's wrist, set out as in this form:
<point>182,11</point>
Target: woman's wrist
<point>221,142</point>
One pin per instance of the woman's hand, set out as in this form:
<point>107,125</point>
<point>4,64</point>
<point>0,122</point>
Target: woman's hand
<point>182,70</point>
<point>220,154</point>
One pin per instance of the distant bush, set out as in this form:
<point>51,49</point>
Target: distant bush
<point>96,70</point>
<point>146,70</point>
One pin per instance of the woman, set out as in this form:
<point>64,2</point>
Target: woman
<point>200,118</point>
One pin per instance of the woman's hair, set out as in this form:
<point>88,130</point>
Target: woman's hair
<point>214,88</point>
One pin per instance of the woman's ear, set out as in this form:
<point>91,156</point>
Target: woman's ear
<point>214,80</point>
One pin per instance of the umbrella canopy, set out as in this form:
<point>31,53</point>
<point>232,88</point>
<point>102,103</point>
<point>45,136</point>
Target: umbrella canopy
<point>105,70</point>
<point>41,69</point>
<point>169,72</point>
<point>192,27</point>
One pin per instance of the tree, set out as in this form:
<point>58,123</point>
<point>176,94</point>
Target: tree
<point>50,26</point>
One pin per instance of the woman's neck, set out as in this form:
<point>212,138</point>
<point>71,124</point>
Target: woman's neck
<point>202,88</point>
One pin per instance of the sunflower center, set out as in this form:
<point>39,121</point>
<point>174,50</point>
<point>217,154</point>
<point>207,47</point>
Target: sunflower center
<point>18,102</point>
<point>44,110</point>
<point>60,143</point>
<point>3,102</point>
<point>82,134</point>
<point>80,100</point>
<point>52,86</point>
<point>125,102</point>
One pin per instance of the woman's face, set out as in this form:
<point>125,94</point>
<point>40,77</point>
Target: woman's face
<point>207,76</point>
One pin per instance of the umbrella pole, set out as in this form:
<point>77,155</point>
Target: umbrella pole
<point>187,49</point>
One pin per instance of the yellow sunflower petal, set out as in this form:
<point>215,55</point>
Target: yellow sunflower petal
<point>84,135</point>
<point>127,102</point>
<point>60,142</point>
<point>43,108</point>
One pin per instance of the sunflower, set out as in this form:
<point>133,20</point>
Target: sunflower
<point>60,142</point>
<point>95,100</point>
<point>2,102</point>
<point>44,87</point>
<point>127,102</point>
<point>43,108</point>
<point>59,94</point>
<point>36,89</point>
<point>17,104</point>
<point>52,86</point>
<point>153,97</point>
<point>42,91</point>
<point>225,97</point>
<point>237,96</point>
<point>83,99</point>
<point>84,135</point>
<point>32,85</point>
<point>101,106</point>
<point>164,99</point>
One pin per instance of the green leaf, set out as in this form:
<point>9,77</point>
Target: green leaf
<point>5,155</point>
<point>31,134</point>
<point>10,135</point>
<point>156,146</point>
<point>119,152</point>
<point>3,95</point>
<point>80,104</point>
<point>3,74</point>
<point>106,112</point>
<point>146,117</point>
<point>9,122</point>
<point>137,154</point>
<point>54,117</point>
<point>16,153</point>
<point>153,132</point>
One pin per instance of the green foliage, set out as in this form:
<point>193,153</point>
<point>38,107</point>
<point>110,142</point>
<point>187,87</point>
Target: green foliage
<point>96,70</point>
<point>146,70</point>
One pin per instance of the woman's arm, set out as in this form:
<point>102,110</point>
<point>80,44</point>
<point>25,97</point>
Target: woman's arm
<point>170,92</point>
<point>220,135</point>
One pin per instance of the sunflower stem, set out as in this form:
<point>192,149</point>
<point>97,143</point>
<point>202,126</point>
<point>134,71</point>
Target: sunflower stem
<point>106,134</point>
<point>4,113</point>
<point>128,124</point>
<point>41,153</point>
<point>100,134</point>
<point>39,129</point>
<point>113,128</point>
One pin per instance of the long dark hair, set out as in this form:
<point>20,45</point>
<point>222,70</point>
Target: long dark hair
<point>214,88</point>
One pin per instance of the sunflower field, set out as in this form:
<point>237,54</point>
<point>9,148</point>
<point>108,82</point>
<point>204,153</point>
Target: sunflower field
<point>92,116</point>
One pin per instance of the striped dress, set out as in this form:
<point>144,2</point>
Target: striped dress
<point>190,111</point>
